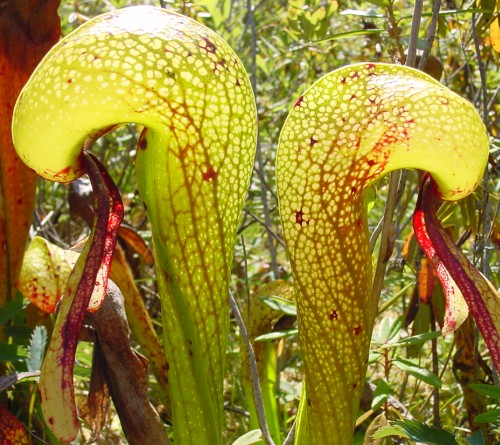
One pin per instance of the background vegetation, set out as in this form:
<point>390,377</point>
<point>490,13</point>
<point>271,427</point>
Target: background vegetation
<point>286,46</point>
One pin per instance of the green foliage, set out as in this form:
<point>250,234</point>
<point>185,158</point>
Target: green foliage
<point>36,349</point>
<point>417,371</point>
<point>285,47</point>
<point>252,437</point>
<point>12,353</point>
<point>280,304</point>
<point>13,308</point>
<point>419,432</point>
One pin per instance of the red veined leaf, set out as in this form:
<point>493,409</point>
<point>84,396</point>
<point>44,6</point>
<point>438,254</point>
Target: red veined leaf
<point>456,273</point>
<point>56,382</point>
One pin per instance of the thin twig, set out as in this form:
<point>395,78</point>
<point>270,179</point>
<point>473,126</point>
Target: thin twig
<point>431,33</point>
<point>436,420</point>
<point>482,69</point>
<point>247,283</point>
<point>262,223</point>
<point>376,233</point>
<point>485,220</point>
<point>493,98</point>
<point>396,181</point>
<point>254,373</point>
<point>291,435</point>
<point>415,27</point>
<point>394,30</point>
<point>258,155</point>
<point>236,410</point>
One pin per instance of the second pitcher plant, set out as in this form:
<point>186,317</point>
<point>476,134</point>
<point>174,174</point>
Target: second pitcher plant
<point>349,129</point>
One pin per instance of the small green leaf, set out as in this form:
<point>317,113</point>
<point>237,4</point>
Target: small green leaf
<point>280,304</point>
<point>82,372</point>
<point>418,432</point>
<point>487,390</point>
<point>12,308</point>
<point>373,356</point>
<point>388,329</point>
<point>380,394</point>
<point>380,336</point>
<point>254,436</point>
<point>414,340</point>
<point>493,415</point>
<point>370,197</point>
<point>36,349</point>
<point>391,430</point>
<point>277,335</point>
<point>395,328</point>
<point>416,371</point>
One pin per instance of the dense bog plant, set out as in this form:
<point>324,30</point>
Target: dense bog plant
<point>194,158</point>
<point>349,129</point>
<point>195,155</point>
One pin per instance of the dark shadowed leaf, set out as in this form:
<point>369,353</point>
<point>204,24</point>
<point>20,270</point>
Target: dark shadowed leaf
<point>493,415</point>
<point>476,439</point>
<point>487,390</point>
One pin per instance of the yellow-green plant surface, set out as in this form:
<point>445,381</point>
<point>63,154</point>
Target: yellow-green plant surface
<point>194,160</point>
<point>350,128</point>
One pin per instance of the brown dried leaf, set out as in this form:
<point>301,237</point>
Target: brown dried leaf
<point>377,423</point>
<point>136,243</point>
<point>97,403</point>
<point>126,373</point>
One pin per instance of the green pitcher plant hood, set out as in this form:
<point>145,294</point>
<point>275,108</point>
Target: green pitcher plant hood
<point>346,131</point>
<point>189,90</point>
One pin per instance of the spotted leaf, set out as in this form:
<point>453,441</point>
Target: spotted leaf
<point>12,432</point>
<point>350,128</point>
<point>44,274</point>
